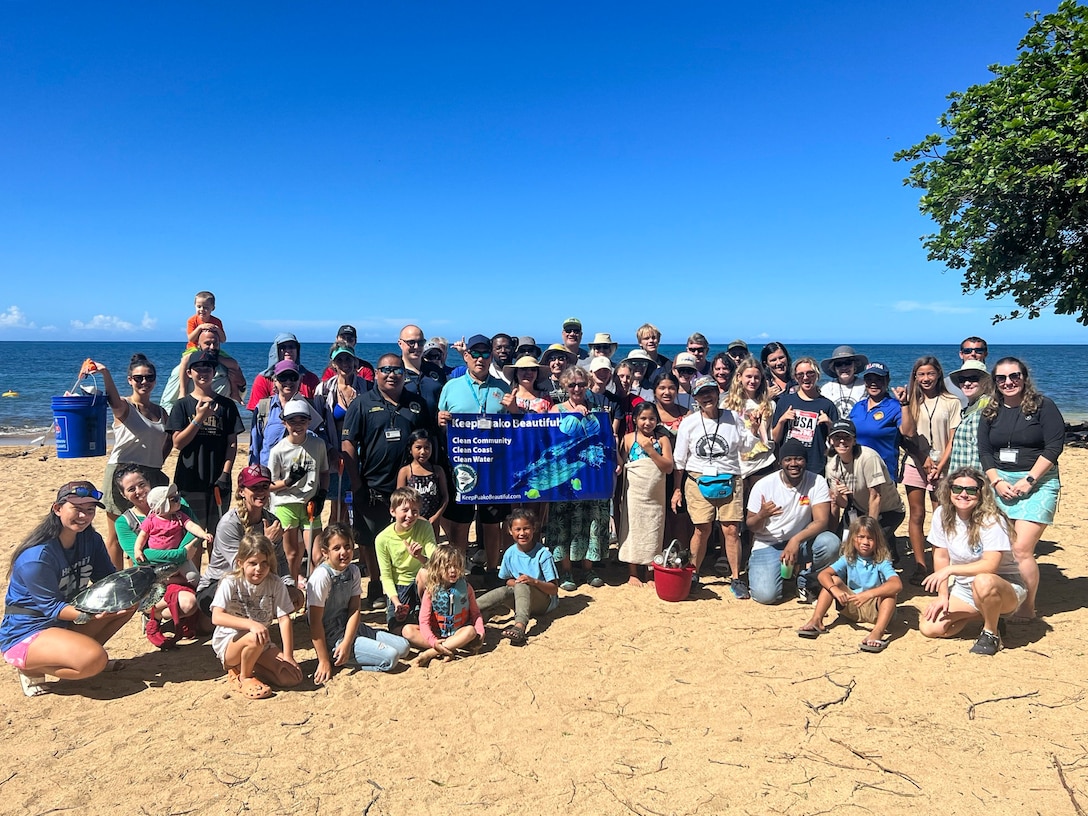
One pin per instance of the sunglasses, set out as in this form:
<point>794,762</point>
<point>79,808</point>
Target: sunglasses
<point>285,378</point>
<point>391,369</point>
<point>970,378</point>
<point>1013,378</point>
<point>412,343</point>
<point>697,349</point>
<point>685,371</point>
<point>81,491</point>
<point>572,386</point>
<point>475,354</point>
<point>842,363</point>
<point>806,375</point>
<point>572,331</point>
<point>141,378</point>
<point>433,355</point>
<point>957,489</point>
<point>972,349</point>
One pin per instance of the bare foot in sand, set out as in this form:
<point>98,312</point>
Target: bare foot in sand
<point>426,657</point>
<point>634,581</point>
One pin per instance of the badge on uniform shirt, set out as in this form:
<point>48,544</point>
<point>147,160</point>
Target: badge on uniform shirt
<point>878,415</point>
<point>414,407</point>
<point>392,434</point>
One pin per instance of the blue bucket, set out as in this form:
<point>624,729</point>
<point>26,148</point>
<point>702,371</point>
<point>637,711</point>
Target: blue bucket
<point>80,426</point>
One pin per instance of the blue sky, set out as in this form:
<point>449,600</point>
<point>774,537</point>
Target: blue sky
<point>713,167</point>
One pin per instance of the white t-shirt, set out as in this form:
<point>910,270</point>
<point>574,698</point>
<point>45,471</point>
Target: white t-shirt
<point>263,603</point>
<point>991,538</point>
<point>707,446</point>
<point>311,454</point>
<point>796,504</point>
<point>844,396</point>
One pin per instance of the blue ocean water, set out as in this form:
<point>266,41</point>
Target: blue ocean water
<point>37,371</point>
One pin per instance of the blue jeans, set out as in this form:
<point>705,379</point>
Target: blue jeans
<point>379,654</point>
<point>765,566</point>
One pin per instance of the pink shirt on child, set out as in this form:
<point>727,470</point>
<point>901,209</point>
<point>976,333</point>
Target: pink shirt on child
<point>162,533</point>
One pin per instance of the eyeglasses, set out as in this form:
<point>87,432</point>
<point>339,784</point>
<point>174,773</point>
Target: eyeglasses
<point>286,378</point>
<point>957,489</point>
<point>1012,378</point>
<point>697,349</point>
<point>806,375</point>
<point>979,350</point>
<point>412,343</point>
<point>685,371</point>
<point>476,354</point>
<point>139,379</point>
<point>970,378</point>
<point>391,369</point>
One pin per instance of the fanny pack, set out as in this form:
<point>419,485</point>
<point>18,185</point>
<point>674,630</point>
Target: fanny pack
<point>716,488</point>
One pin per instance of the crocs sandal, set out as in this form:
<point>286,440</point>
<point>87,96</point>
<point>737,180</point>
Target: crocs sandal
<point>873,646</point>
<point>810,632</point>
<point>253,689</point>
<point>510,631</point>
<point>33,685</point>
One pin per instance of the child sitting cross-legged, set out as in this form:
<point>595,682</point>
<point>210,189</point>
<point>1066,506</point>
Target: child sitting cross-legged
<point>862,584</point>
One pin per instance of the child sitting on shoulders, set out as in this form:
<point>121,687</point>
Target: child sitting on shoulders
<point>449,617</point>
<point>205,305</point>
<point>532,583</point>
<point>332,602</point>
<point>862,584</point>
<point>245,604</point>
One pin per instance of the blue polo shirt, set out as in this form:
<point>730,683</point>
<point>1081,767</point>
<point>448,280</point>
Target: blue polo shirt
<point>878,428</point>
<point>464,395</point>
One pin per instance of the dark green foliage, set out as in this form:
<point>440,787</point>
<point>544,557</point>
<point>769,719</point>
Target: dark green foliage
<point>1007,182</point>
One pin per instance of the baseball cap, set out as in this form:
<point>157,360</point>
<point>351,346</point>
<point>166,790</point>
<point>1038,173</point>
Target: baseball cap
<point>285,365</point>
<point>842,426</point>
<point>254,475</point>
<point>702,384</point>
<point>200,357</point>
<point>79,490</point>
<point>296,407</point>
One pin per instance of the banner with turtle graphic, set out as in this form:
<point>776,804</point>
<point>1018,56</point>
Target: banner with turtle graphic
<point>508,459</point>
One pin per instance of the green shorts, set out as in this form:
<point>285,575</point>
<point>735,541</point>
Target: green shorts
<point>292,516</point>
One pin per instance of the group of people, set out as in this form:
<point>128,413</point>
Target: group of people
<point>797,481</point>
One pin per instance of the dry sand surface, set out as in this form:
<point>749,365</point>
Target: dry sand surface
<point>620,704</point>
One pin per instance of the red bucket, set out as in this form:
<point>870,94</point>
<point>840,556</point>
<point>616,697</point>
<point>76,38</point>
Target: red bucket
<point>672,583</point>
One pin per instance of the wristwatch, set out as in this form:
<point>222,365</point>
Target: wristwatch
<point>1029,479</point>
<point>82,618</point>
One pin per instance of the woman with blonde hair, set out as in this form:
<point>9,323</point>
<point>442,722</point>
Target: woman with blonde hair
<point>975,573</point>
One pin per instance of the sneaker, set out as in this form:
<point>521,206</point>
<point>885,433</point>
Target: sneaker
<point>739,587</point>
<point>987,644</point>
<point>566,582</point>
<point>594,580</point>
<point>804,596</point>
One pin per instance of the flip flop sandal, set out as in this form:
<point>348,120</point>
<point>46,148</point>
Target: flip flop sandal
<point>113,666</point>
<point>33,685</point>
<point>873,646</point>
<point>519,638</point>
<point>810,632</point>
<point>253,689</point>
<point>510,632</point>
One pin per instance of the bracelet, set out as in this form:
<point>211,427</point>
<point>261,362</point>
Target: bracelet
<point>196,422</point>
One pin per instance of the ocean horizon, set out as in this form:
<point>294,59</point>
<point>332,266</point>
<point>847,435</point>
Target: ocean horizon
<point>36,371</point>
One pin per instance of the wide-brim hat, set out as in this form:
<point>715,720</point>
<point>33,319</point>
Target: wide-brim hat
<point>968,367</point>
<point>527,344</point>
<point>511,371</point>
<point>641,357</point>
<point>604,339</point>
<point>843,353</point>
<point>557,348</point>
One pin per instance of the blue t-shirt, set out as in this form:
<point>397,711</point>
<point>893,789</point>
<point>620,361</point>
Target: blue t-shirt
<point>864,573</point>
<point>45,578</point>
<point>878,429</point>
<point>537,563</point>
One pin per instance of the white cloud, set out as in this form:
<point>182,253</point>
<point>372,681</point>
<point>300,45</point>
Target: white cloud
<point>937,307</point>
<point>112,323</point>
<point>14,318</point>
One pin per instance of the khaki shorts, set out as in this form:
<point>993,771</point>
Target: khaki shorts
<point>865,612</point>
<point>703,511</point>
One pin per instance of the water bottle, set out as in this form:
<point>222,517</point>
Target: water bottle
<point>347,504</point>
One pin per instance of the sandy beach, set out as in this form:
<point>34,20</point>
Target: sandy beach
<point>620,704</point>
